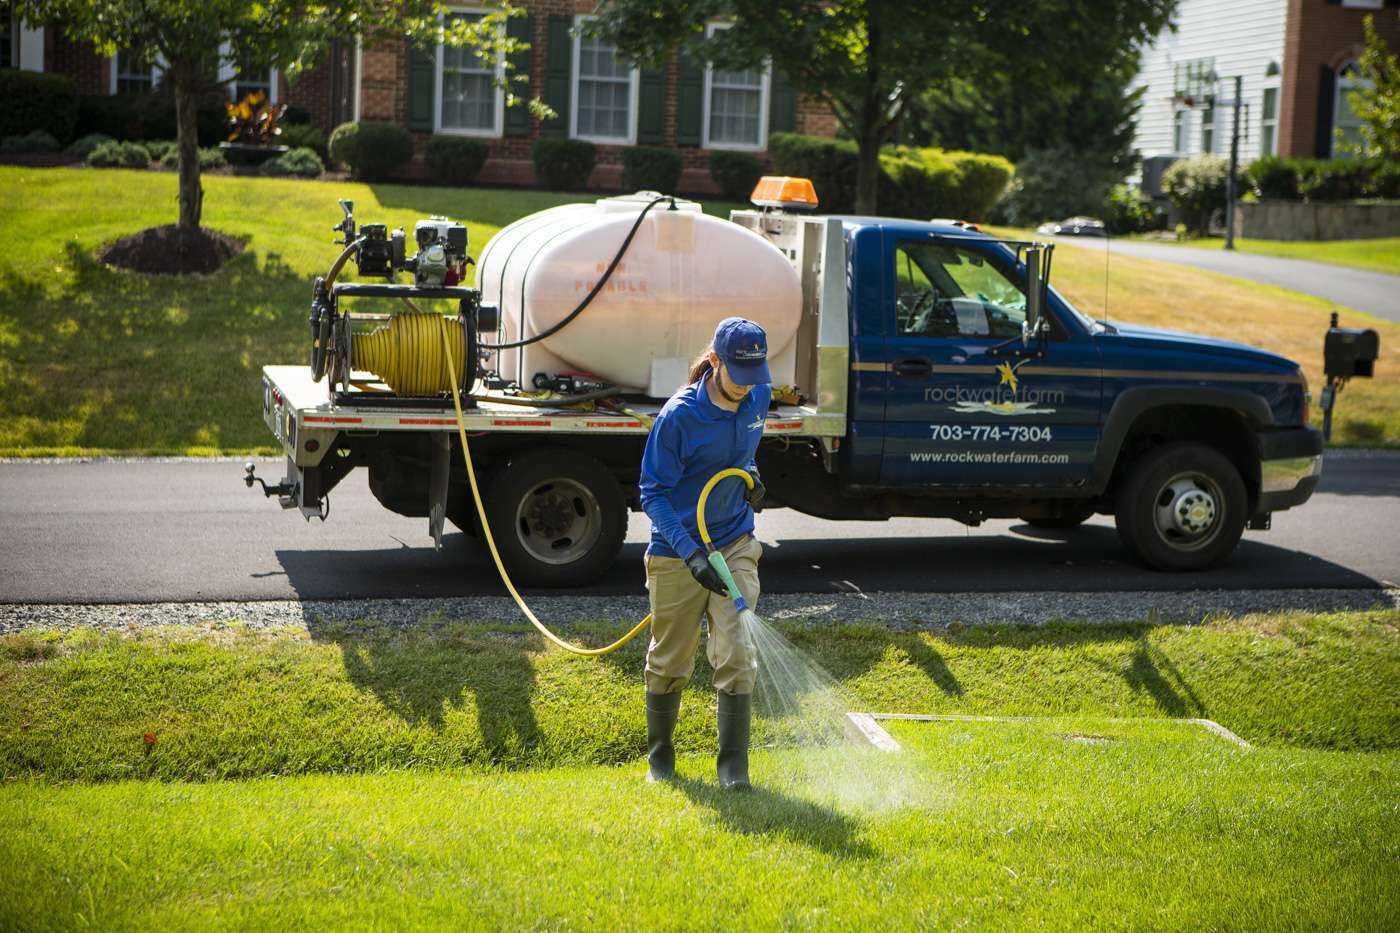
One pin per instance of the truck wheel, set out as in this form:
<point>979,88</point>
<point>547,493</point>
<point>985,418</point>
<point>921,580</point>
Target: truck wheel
<point>1181,507</point>
<point>558,518</point>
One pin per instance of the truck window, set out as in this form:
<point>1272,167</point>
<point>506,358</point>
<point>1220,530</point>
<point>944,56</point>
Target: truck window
<point>949,291</point>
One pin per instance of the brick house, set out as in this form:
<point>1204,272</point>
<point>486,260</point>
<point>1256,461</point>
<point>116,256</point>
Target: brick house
<point>1297,59</point>
<point>685,105</point>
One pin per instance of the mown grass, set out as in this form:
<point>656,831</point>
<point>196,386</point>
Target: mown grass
<point>345,698</point>
<point>1379,255</point>
<point>991,826</point>
<point>94,360</point>
<point>1161,294</point>
<point>97,361</point>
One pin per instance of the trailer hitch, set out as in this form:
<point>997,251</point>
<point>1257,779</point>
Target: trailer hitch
<point>284,489</point>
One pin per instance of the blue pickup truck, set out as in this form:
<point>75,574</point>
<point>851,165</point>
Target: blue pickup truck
<point>942,377</point>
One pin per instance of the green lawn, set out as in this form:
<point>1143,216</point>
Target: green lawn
<point>1378,255</point>
<point>450,775</point>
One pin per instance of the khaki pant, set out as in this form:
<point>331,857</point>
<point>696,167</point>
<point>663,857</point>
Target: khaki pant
<point>677,605</point>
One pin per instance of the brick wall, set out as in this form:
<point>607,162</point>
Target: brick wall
<point>79,61</point>
<point>1319,33</point>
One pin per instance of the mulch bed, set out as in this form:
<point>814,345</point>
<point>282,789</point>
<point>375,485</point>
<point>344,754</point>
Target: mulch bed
<point>171,250</point>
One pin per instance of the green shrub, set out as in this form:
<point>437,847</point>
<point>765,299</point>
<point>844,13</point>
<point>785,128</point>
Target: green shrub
<point>36,100</point>
<point>1197,187</point>
<point>1055,183</point>
<point>920,184</point>
<point>830,164</point>
<point>119,155</point>
<point>563,164</point>
<point>295,116</point>
<point>302,136</point>
<point>1385,180</point>
<point>1333,179</point>
<point>302,162</point>
<point>1124,212</point>
<point>149,116</point>
<point>82,147</point>
<point>651,168</point>
<point>455,160</point>
<point>210,157</point>
<point>160,148</point>
<point>373,150</point>
<point>981,180</point>
<point>1273,177</point>
<point>736,173</point>
<point>36,141</point>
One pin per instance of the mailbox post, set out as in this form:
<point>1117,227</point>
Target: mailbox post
<point>1346,352</point>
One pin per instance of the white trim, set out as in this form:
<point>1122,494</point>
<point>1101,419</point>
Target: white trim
<point>1363,4</point>
<point>497,129</point>
<point>359,71</point>
<point>765,90</point>
<point>1265,130</point>
<point>1341,87</point>
<point>634,88</point>
<point>29,47</point>
<point>228,75</point>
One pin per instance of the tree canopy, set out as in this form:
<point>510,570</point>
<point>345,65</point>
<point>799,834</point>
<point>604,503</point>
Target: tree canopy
<point>1378,105</point>
<point>869,60</point>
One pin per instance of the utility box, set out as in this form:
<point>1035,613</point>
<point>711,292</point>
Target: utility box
<point>1350,351</point>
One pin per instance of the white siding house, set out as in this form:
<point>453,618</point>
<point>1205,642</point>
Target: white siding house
<point>1223,38</point>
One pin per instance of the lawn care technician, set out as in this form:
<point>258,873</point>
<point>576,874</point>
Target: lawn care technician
<point>713,424</point>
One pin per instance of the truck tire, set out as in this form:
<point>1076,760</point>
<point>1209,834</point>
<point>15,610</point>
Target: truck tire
<point>1181,507</point>
<point>558,517</point>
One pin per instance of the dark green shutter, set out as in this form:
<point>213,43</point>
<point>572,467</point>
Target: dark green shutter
<point>1326,88</point>
<point>690,101</point>
<point>782,106</point>
<point>521,63</point>
<point>421,65</point>
<point>651,108</point>
<point>557,75</point>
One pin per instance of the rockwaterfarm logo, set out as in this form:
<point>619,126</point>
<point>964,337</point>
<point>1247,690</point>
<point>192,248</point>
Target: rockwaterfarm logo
<point>1008,397</point>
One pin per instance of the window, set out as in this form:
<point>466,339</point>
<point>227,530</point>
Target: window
<point>948,291</point>
<point>242,80</point>
<point>1364,4</point>
<point>1179,130</point>
<point>605,93</point>
<point>736,106</point>
<point>133,72</point>
<point>1208,128</point>
<point>1268,123</point>
<point>1346,125</point>
<point>469,101</point>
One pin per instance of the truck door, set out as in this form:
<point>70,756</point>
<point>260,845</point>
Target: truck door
<point>967,404</point>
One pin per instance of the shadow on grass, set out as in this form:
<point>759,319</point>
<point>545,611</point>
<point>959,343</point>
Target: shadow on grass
<point>765,812</point>
<point>419,676</point>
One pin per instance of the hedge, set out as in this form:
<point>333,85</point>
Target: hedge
<point>38,101</point>
<point>302,162</point>
<point>119,155</point>
<point>149,116</point>
<point>373,150</point>
<point>37,141</point>
<point>1276,178</point>
<point>455,160</point>
<point>563,163</point>
<point>736,173</point>
<point>651,168</point>
<point>922,183</point>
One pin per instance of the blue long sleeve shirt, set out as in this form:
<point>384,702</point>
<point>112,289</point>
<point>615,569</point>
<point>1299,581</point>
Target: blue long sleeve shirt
<point>691,441</point>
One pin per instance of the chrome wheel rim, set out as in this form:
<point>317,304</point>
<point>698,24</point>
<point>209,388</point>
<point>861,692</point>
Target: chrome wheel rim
<point>558,521</point>
<point>1189,511</point>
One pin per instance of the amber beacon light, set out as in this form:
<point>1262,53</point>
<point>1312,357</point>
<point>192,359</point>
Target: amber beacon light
<point>784,192</point>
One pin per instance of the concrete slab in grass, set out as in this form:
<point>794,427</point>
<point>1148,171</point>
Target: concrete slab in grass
<point>865,728</point>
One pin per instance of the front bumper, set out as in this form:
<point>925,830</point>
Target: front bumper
<point>1290,465</point>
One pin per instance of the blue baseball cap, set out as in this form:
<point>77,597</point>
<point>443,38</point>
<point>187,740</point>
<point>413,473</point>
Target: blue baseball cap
<point>743,348</point>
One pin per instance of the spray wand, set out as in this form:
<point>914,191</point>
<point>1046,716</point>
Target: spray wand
<point>712,553</point>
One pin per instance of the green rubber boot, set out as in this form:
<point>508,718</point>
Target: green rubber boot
<point>662,711</point>
<point>735,712</point>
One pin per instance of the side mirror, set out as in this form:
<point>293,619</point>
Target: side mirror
<point>1037,290</point>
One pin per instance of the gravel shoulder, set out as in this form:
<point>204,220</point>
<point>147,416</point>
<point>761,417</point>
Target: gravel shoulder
<point>897,610</point>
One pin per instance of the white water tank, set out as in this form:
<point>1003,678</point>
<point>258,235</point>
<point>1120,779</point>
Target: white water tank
<point>682,274</point>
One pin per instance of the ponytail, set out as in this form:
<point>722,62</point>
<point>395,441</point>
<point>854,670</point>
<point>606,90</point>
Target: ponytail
<point>700,365</point>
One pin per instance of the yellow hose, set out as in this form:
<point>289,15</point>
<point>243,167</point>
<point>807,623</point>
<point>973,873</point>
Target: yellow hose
<point>491,541</point>
<point>405,355</point>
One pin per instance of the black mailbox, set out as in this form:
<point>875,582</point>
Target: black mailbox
<point>1350,351</point>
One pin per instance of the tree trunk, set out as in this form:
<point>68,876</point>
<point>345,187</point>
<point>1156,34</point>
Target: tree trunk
<point>187,140</point>
<point>868,174</point>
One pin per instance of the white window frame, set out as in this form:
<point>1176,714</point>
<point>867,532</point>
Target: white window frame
<point>1268,129</point>
<point>765,89</point>
<point>228,74</point>
<point>1364,4</point>
<point>113,76</point>
<point>497,129</point>
<point>1181,130</point>
<point>1341,88</point>
<point>634,88</point>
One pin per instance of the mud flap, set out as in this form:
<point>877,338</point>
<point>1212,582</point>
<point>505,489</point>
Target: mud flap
<point>437,485</point>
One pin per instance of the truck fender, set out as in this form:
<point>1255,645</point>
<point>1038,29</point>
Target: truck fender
<point>1132,403</point>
